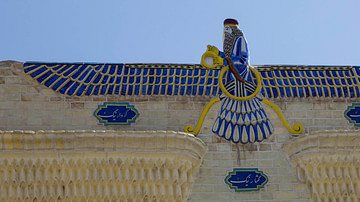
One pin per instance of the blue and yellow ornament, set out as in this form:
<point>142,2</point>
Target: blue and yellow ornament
<point>241,117</point>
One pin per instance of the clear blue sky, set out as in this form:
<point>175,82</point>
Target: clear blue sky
<point>304,32</point>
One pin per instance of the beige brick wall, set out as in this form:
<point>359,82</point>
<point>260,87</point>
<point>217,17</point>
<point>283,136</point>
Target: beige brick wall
<point>27,105</point>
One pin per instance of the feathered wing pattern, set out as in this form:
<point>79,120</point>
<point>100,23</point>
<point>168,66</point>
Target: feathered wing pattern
<point>125,79</point>
<point>184,79</point>
<point>242,121</point>
<point>310,81</point>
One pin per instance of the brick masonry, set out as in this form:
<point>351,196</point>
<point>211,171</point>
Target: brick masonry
<point>28,105</point>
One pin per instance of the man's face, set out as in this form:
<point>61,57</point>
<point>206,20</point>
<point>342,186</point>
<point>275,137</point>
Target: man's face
<point>227,30</point>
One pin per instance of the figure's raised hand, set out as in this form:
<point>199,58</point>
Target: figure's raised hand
<point>213,49</point>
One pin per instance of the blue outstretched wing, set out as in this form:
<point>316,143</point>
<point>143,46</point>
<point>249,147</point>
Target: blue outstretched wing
<point>125,79</point>
<point>310,81</point>
<point>182,79</point>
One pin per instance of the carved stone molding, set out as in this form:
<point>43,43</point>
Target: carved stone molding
<point>98,165</point>
<point>328,162</point>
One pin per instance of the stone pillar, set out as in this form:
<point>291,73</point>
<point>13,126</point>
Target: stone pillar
<point>328,162</point>
<point>98,165</point>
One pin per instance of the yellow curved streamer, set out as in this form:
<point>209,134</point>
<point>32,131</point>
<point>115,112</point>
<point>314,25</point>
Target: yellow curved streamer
<point>190,129</point>
<point>298,128</point>
<point>221,84</point>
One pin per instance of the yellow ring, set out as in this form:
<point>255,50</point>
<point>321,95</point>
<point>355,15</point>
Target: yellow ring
<point>206,54</point>
<point>258,87</point>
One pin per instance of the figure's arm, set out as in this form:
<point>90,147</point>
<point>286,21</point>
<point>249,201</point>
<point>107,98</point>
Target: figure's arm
<point>221,54</point>
<point>240,54</point>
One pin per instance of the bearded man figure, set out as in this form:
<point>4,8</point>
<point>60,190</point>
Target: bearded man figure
<point>239,120</point>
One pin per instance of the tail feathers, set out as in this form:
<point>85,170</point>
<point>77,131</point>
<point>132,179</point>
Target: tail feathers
<point>251,124</point>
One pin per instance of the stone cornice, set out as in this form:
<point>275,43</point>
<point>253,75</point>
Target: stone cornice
<point>98,165</point>
<point>103,140</point>
<point>323,141</point>
<point>328,163</point>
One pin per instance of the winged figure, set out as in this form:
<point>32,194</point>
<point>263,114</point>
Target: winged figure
<point>238,121</point>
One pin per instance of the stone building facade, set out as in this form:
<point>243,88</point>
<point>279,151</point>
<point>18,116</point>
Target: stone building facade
<point>54,148</point>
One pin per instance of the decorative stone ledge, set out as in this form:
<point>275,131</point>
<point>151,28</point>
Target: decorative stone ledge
<point>328,162</point>
<point>98,165</point>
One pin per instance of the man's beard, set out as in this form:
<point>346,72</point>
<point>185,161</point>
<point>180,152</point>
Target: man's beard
<point>228,44</point>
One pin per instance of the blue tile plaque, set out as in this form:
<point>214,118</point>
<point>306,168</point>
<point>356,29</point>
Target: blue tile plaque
<point>352,114</point>
<point>116,113</point>
<point>246,179</point>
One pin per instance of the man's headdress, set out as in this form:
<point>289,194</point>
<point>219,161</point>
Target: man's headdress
<point>230,21</point>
